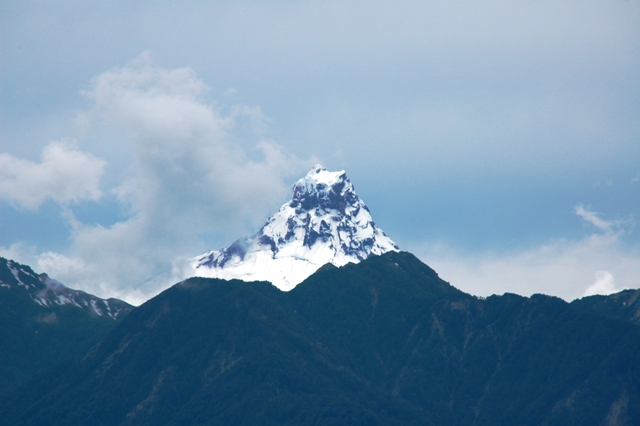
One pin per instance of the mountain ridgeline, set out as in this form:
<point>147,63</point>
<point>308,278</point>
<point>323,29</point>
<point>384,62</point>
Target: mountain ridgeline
<point>381,342</point>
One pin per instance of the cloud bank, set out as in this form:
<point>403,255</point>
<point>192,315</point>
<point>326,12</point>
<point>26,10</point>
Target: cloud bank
<point>599,263</point>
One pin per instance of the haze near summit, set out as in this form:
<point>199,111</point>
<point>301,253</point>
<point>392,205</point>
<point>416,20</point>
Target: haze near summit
<point>498,142</point>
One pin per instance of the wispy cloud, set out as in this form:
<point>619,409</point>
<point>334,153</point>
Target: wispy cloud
<point>593,218</point>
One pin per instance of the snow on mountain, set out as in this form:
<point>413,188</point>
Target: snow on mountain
<point>48,292</point>
<point>325,222</point>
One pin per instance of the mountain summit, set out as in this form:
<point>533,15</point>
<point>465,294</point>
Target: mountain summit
<point>325,222</point>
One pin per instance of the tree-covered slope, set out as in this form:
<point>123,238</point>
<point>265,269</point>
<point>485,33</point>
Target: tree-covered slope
<point>624,305</point>
<point>385,341</point>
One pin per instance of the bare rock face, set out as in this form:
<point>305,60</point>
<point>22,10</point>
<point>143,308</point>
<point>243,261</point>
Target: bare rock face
<point>325,222</point>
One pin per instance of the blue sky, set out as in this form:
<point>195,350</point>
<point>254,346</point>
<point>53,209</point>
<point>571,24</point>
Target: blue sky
<point>499,142</point>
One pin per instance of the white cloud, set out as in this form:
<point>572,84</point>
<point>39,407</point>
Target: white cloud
<point>604,284</point>
<point>19,252</point>
<point>65,175</point>
<point>188,181</point>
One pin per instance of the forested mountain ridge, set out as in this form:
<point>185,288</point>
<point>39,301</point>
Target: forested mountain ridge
<point>385,341</point>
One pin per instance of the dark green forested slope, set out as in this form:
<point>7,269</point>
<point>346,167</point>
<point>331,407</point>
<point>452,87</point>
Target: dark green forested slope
<point>35,337</point>
<point>382,342</point>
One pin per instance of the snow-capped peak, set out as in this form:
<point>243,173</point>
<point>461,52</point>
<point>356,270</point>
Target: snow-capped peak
<point>318,175</point>
<point>325,222</point>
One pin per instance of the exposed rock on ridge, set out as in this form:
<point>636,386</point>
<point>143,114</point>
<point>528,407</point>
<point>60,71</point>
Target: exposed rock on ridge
<point>46,291</point>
